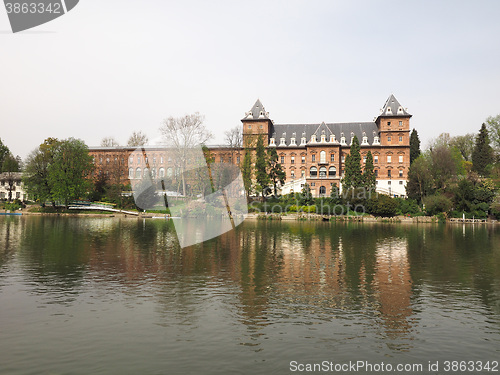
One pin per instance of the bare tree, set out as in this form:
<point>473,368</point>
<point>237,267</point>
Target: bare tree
<point>234,140</point>
<point>464,144</point>
<point>109,142</point>
<point>184,135</point>
<point>137,139</point>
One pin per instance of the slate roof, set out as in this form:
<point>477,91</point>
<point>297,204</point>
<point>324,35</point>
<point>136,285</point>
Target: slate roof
<point>289,131</point>
<point>257,112</point>
<point>393,108</point>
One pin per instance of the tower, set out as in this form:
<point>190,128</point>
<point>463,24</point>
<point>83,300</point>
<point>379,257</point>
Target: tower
<point>393,124</point>
<point>256,123</point>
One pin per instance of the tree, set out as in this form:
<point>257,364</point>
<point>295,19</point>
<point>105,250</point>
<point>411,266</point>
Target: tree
<point>69,171</point>
<point>369,173</point>
<point>494,131</point>
<point>111,142</point>
<point>464,144</point>
<point>419,178</point>
<point>10,166</point>
<point>482,155</point>
<point>4,151</point>
<point>261,164</point>
<point>276,173</point>
<point>353,177</point>
<point>246,171</point>
<point>185,135</point>
<point>444,166</point>
<point>36,171</point>
<point>306,197</point>
<point>137,139</point>
<point>414,146</point>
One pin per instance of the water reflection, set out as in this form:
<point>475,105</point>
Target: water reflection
<point>334,285</point>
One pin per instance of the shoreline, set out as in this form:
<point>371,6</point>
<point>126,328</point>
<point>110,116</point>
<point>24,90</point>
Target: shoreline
<point>274,217</point>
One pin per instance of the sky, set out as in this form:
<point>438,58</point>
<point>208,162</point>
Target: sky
<point>108,68</point>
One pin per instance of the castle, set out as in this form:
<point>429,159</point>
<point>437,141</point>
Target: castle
<point>309,153</point>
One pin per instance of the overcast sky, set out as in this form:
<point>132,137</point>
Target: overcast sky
<point>110,67</point>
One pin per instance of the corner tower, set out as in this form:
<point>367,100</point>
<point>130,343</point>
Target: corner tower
<point>256,123</point>
<point>394,124</point>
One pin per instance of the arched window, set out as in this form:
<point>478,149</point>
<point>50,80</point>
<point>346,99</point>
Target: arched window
<point>322,157</point>
<point>130,173</point>
<point>162,172</point>
<point>146,172</point>
<point>332,171</point>
<point>169,172</point>
<point>322,191</point>
<point>322,172</point>
<point>313,171</point>
<point>138,173</point>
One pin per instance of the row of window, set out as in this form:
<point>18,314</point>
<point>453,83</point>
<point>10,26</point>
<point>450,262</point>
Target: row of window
<point>389,138</point>
<point>139,173</point>
<point>322,158</point>
<point>17,183</point>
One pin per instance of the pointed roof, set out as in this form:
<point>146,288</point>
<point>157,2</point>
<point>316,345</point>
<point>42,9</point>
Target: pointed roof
<point>258,112</point>
<point>392,108</point>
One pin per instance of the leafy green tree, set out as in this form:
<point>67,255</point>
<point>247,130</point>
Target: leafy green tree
<point>4,151</point>
<point>276,173</point>
<point>36,171</point>
<point>246,171</point>
<point>353,176</point>
<point>464,144</point>
<point>414,146</point>
<point>482,156</point>
<point>419,178</point>
<point>369,173</point>
<point>494,131</point>
<point>261,166</point>
<point>69,171</point>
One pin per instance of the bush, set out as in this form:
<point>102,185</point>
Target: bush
<point>382,205</point>
<point>435,204</point>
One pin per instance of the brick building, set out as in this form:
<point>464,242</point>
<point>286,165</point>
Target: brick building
<point>309,153</point>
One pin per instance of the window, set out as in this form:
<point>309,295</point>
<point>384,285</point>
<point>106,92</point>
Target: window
<point>292,173</point>
<point>400,158</point>
<point>389,182</point>
<point>322,157</point>
<point>389,158</point>
<point>401,182</point>
<point>282,159</point>
<point>161,159</point>
<point>230,160</point>
<point>322,172</point>
<point>303,173</point>
<point>375,159</point>
<point>107,160</point>
<point>389,138</point>
<point>238,159</point>
<point>138,173</point>
<point>138,160</point>
<point>313,158</point>
<point>313,171</point>
<point>18,195</point>
<point>100,160</point>
<point>364,159</point>
<point>401,123</point>
<point>332,158</point>
<point>18,183</point>
<point>303,159</point>
<point>400,139</point>
<point>249,127</point>
<point>332,171</point>
<point>169,172</point>
<point>389,174</point>
<point>322,191</point>
<point>343,158</point>
<point>146,172</point>
<point>130,173</point>
<point>261,127</point>
<point>376,172</point>
<point>222,159</point>
<point>401,173</point>
<point>146,160</point>
<point>388,123</point>
<point>162,172</point>
<point>154,159</point>
<point>292,159</point>
<point>313,184</point>
<point>131,160</point>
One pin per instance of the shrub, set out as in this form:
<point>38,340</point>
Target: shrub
<point>382,205</point>
<point>435,204</point>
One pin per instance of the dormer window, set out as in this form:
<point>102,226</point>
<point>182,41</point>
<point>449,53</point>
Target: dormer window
<point>352,138</point>
<point>282,142</point>
<point>342,139</point>
<point>272,142</point>
<point>303,141</point>
<point>376,140</point>
<point>332,138</point>
<point>389,110</point>
<point>313,138</point>
<point>365,140</point>
<point>323,138</point>
<point>292,142</point>
<point>400,110</point>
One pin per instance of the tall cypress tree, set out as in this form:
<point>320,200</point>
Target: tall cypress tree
<point>482,155</point>
<point>369,173</point>
<point>261,175</point>
<point>276,173</point>
<point>353,176</point>
<point>414,146</point>
<point>246,171</point>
